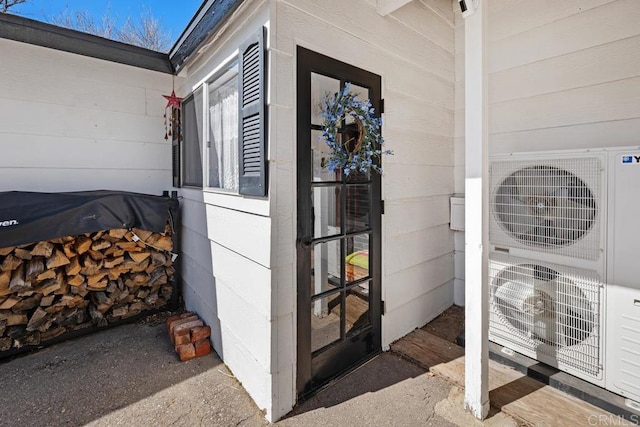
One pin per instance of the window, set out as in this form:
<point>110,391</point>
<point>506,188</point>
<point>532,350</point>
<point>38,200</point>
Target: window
<point>224,124</point>
<point>223,131</point>
<point>192,140</point>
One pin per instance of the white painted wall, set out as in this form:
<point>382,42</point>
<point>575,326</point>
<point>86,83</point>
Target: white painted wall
<point>227,264</point>
<point>239,254</point>
<point>413,50</point>
<point>562,75</point>
<point>70,123</point>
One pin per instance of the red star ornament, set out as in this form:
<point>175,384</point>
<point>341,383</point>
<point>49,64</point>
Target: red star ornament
<point>173,100</point>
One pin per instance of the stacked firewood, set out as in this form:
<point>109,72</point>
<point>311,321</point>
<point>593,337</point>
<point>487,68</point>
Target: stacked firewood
<point>61,285</point>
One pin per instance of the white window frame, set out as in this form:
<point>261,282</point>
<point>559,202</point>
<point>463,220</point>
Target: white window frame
<point>230,69</point>
<point>222,68</point>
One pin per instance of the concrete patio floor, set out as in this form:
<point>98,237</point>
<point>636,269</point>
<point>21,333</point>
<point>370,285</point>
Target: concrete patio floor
<point>129,375</point>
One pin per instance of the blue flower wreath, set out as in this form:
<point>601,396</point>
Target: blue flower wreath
<point>357,154</point>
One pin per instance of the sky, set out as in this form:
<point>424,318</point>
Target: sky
<point>174,15</point>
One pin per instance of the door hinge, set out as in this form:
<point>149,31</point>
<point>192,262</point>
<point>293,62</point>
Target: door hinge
<point>382,307</point>
<point>208,144</point>
<point>382,106</point>
<point>381,207</point>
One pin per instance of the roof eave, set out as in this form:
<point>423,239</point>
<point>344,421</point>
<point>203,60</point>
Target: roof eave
<point>206,22</point>
<point>38,33</point>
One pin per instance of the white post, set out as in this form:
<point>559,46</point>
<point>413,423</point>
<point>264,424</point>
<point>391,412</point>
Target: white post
<point>476,394</point>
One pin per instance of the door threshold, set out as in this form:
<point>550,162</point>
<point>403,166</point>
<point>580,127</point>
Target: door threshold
<point>336,379</point>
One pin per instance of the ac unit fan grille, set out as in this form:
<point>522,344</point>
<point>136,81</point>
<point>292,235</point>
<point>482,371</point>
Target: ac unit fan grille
<point>551,311</point>
<point>545,206</point>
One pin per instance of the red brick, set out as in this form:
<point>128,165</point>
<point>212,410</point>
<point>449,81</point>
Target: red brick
<point>182,321</point>
<point>186,352</point>
<point>181,336</point>
<point>200,332</point>
<point>171,319</point>
<point>202,347</point>
<point>187,325</point>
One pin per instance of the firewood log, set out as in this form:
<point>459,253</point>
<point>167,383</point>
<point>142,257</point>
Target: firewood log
<point>76,280</point>
<point>22,253</point>
<point>5,278</point>
<point>57,259</point>
<point>27,303</point>
<point>96,255</point>
<point>9,303</point>
<point>90,266</point>
<point>139,257</point>
<point>142,234</point>
<point>117,233</point>
<point>69,250</point>
<point>47,301</point>
<point>47,274</point>
<point>112,262</point>
<point>6,251</point>
<point>100,245</point>
<point>43,248</point>
<point>38,318</point>
<point>74,267</point>
<point>82,244</point>
<point>11,262</point>
<point>34,267</point>
<point>17,283</point>
<point>161,242</point>
<point>96,236</point>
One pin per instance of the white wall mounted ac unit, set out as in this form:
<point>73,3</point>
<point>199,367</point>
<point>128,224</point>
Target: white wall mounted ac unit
<point>565,241</point>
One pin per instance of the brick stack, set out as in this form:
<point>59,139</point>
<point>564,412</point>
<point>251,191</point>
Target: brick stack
<point>189,335</point>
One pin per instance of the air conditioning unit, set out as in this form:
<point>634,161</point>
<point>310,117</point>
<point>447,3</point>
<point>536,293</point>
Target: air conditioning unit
<point>549,207</point>
<point>549,312</point>
<point>564,239</point>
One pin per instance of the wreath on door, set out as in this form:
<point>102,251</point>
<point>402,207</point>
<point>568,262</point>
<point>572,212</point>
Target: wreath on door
<point>358,153</point>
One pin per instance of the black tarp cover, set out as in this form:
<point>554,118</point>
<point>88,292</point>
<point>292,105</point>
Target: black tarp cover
<point>27,217</point>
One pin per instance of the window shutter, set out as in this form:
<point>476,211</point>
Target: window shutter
<point>252,117</point>
<point>176,135</point>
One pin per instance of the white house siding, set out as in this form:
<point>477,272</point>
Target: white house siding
<point>239,254</point>
<point>227,265</point>
<point>70,122</point>
<point>562,75</point>
<point>413,50</point>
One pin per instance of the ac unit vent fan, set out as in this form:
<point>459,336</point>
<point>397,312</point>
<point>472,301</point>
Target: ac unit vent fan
<point>544,206</point>
<point>543,305</point>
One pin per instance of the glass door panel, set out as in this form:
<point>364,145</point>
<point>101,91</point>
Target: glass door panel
<point>325,321</point>
<point>327,212</point>
<point>321,86</point>
<point>325,267</point>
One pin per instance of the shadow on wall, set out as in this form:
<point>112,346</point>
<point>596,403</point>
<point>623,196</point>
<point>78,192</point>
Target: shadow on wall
<point>198,284</point>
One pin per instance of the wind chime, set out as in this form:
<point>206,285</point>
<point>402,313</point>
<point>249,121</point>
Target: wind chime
<point>172,117</point>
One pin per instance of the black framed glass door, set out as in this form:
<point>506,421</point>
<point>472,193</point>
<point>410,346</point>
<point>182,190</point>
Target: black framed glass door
<point>338,237</point>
